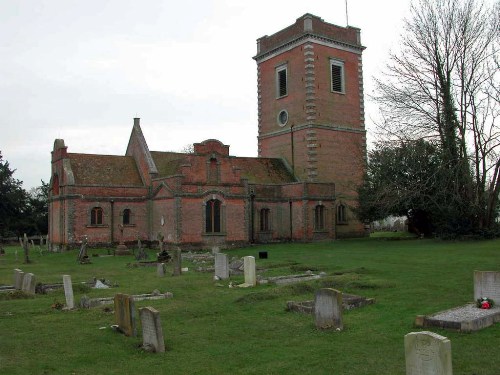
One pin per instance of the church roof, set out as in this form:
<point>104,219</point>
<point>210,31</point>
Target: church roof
<point>256,170</point>
<point>111,170</point>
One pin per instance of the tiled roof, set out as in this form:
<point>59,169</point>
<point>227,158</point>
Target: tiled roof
<point>111,170</point>
<point>256,170</point>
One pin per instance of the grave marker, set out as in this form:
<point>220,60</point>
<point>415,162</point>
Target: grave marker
<point>427,353</point>
<point>152,333</point>
<point>221,266</point>
<point>18,279</point>
<point>160,269</point>
<point>125,314</point>
<point>487,285</point>
<point>68,292</point>
<point>29,283</point>
<point>328,309</point>
<point>249,270</point>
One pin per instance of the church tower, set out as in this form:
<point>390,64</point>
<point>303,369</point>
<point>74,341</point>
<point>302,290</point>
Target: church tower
<point>310,108</point>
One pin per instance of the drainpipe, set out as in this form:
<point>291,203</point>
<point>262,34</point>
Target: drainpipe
<point>291,220</point>
<point>111,231</point>
<point>292,149</point>
<point>252,214</point>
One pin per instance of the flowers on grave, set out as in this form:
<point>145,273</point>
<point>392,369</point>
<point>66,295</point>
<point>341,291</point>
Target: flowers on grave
<point>484,303</point>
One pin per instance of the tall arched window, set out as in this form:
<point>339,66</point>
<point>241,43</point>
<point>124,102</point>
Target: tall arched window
<point>213,216</point>
<point>341,214</point>
<point>126,216</point>
<point>319,217</point>
<point>96,216</point>
<point>264,220</point>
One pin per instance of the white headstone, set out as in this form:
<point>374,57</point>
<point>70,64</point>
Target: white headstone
<point>221,266</point>
<point>487,285</point>
<point>68,292</point>
<point>427,353</point>
<point>29,283</point>
<point>18,279</point>
<point>249,270</point>
<point>328,309</point>
<point>152,333</point>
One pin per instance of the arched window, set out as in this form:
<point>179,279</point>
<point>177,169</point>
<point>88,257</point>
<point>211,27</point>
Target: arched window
<point>341,214</point>
<point>264,220</point>
<point>213,215</point>
<point>55,185</point>
<point>126,216</point>
<point>96,216</point>
<point>319,217</point>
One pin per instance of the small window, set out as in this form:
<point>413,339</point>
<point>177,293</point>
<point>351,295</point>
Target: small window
<point>281,81</point>
<point>282,117</point>
<point>319,217</point>
<point>96,216</point>
<point>264,220</point>
<point>212,220</point>
<point>126,216</point>
<point>337,73</point>
<point>341,214</point>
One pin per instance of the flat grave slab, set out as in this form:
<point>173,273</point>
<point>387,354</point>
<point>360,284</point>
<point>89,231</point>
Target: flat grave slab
<point>468,318</point>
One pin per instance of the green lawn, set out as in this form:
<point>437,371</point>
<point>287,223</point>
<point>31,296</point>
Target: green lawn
<point>210,328</point>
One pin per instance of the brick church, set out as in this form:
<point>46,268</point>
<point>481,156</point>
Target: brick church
<point>301,187</point>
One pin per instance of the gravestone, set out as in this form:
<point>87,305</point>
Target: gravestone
<point>18,279</point>
<point>176,262</point>
<point>328,309</point>
<point>427,353</point>
<point>152,333</point>
<point>83,258</point>
<point>215,250</point>
<point>29,283</point>
<point>26,249</point>
<point>125,314</point>
<point>68,292</point>
<point>487,285</point>
<point>249,270</point>
<point>160,269</point>
<point>221,266</point>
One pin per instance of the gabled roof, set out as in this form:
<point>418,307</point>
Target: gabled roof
<point>111,170</point>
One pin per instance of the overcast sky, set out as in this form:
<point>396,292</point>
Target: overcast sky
<point>82,70</point>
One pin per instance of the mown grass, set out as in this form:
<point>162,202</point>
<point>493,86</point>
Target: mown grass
<point>210,328</point>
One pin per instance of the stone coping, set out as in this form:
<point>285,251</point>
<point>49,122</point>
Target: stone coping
<point>88,303</point>
<point>468,318</point>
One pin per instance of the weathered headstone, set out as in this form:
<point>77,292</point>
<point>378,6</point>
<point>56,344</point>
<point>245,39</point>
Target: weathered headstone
<point>68,292</point>
<point>141,253</point>
<point>152,333</point>
<point>427,353</point>
<point>83,258</point>
<point>221,266</point>
<point>328,309</point>
<point>249,270</point>
<point>487,285</point>
<point>160,269</point>
<point>125,314</point>
<point>215,250</point>
<point>176,262</point>
<point>18,279</point>
<point>29,283</point>
<point>25,246</point>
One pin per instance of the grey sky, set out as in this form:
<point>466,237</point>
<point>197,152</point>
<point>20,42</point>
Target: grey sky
<point>81,70</point>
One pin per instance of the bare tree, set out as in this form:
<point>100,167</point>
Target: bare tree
<point>443,86</point>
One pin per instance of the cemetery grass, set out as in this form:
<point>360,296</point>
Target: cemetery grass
<point>210,328</point>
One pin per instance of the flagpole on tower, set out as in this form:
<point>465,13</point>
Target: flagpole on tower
<point>346,14</point>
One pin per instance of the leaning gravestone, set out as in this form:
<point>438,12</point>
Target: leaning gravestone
<point>328,309</point>
<point>125,314</point>
<point>249,270</point>
<point>487,285</point>
<point>18,279</point>
<point>152,333</point>
<point>176,262</point>
<point>221,266</point>
<point>68,292</point>
<point>427,353</point>
<point>29,283</point>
